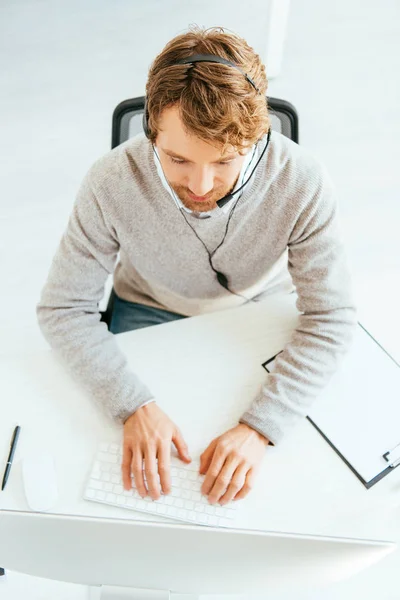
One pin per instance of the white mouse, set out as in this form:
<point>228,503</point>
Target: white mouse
<point>40,481</point>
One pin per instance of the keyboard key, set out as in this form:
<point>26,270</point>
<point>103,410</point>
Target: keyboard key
<point>115,478</point>
<point>202,518</point>
<point>103,447</point>
<point>112,498</point>
<point>131,502</point>
<point>100,495</point>
<point>116,469</point>
<point>117,489</point>
<point>199,508</point>
<point>105,476</point>
<point>182,513</point>
<point>95,485</point>
<point>210,510</point>
<point>107,458</point>
<point>105,467</point>
<point>196,496</point>
<point>114,449</point>
<point>174,472</point>
<point>90,493</point>
<point>171,511</point>
<point>169,500</point>
<point>161,509</point>
<point>186,485</point>
<point>121,500</point>
<point>185,495</point>
<point>225,523</point>
<point>178,503</point>
<point>107,487</point>
<point>189,505</point>
<point>213,521</point>
<point>182,474</point>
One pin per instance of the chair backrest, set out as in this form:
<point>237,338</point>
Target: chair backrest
<point>127,119</point>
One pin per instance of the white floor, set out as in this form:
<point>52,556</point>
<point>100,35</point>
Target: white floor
<point>66,65</point>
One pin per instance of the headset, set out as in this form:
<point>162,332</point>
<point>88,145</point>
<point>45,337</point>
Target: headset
<point>191,60</point>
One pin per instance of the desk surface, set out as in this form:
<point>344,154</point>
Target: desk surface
<point>302,487</point>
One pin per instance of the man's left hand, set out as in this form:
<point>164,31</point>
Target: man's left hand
<point>231,463</point>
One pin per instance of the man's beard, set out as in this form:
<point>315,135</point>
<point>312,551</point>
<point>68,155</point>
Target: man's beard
<point>206,205</point>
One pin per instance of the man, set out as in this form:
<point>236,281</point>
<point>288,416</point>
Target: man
<point>209,210</point>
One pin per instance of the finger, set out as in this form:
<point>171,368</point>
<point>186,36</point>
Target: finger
<point>164,467</point>
<point>223,481</point>
<point>248,485</point>
<point>181,446</point>
<point>206,457</point>
<point>213,471</point>
<point>137,470</point>
<point>126,467</point>
<point>150,469</point>
<point>237,482</point>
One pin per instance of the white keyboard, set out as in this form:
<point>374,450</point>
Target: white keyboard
<point>184,503</point>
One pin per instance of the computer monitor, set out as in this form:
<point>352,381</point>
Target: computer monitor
<point>119,554</point>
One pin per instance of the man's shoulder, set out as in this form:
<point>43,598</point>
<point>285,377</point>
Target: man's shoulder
<point>120,163</point>
<point>302,158</point>
<point>295,163</point>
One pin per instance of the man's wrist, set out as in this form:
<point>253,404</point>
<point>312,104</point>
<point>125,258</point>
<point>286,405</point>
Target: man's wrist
<point>136,409</point>
<point>259,435</point>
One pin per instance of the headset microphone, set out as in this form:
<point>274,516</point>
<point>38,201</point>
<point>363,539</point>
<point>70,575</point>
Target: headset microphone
<point>222,279</point>
<point>228,197</point>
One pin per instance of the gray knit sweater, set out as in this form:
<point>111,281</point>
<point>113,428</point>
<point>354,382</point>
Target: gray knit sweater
<point>284,231</point>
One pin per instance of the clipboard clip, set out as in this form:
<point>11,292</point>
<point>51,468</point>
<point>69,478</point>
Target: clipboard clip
<point>393,456</point>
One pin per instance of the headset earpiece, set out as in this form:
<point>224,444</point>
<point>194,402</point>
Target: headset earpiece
<point>145,119</point>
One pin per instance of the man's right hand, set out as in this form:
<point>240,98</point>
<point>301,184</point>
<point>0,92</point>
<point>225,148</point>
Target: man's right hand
<point>148,434</point>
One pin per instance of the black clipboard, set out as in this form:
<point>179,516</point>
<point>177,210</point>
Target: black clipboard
<point>388,456</point>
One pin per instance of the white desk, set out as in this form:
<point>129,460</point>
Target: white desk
<point>303,486</point>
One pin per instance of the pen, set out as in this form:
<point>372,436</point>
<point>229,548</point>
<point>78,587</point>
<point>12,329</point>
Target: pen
<point>13,445</point>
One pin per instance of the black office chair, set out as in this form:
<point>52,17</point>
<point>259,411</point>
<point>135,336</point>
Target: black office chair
<point>127,122</point>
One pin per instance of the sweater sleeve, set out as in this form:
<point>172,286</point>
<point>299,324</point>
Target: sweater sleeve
<point>319,270</point>
<point>68,311</point>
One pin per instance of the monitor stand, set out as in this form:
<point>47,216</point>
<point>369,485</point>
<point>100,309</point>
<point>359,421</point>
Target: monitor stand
<point>111,592</point>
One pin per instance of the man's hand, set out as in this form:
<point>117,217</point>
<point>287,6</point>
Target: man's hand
<point>147,436</point>
<point>231,462</point>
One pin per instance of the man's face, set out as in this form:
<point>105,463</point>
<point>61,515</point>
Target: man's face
<point>197,172</point>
